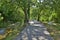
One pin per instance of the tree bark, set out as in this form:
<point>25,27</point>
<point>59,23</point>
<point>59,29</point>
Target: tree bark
<point>38,17</point>
<point>28,11</point>
<point>26,16</point>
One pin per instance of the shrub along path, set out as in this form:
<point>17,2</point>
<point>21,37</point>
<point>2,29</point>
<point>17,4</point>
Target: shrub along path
<point>35,31</point>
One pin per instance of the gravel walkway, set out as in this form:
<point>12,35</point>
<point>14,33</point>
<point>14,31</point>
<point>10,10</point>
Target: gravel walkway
<point>34,32</point>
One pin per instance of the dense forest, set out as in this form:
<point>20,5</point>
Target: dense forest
<point>13,11</point>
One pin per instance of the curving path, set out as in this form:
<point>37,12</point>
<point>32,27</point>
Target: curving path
<point>35,31</point>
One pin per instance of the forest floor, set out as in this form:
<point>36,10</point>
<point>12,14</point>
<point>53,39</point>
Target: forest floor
<point>54,30</point>
<point>12,31</point>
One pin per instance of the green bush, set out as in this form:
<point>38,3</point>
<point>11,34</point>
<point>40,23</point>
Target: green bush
<point>4,24</point>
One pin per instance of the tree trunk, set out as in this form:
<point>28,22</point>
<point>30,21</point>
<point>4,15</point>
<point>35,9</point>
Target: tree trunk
<point>38,17</point>
<point>28,11</point>
<point>26,16</point>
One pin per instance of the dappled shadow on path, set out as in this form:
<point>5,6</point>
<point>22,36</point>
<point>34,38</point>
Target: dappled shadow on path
<point>34,33</point>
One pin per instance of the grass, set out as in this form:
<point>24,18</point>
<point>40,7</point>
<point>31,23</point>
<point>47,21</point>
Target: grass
<point>4,24</point>
<point>13,31</point>
<point>54,30</point>
<point>12,35</point>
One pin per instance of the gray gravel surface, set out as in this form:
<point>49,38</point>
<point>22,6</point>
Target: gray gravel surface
<point>32,32</point>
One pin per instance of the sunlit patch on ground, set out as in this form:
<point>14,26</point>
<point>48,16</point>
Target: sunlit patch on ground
<point>42,38</point>
<point>46,32</point>
<point>6,32</point>
<point>3,36</point>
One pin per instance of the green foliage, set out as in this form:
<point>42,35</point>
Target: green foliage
<point>12,11</point>
<point>16,10</point>
<point>1,18</point>
<point>9,9</point>
<point>48,9</point>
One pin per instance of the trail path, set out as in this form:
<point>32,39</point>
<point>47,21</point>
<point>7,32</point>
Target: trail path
<point>35,31</point>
